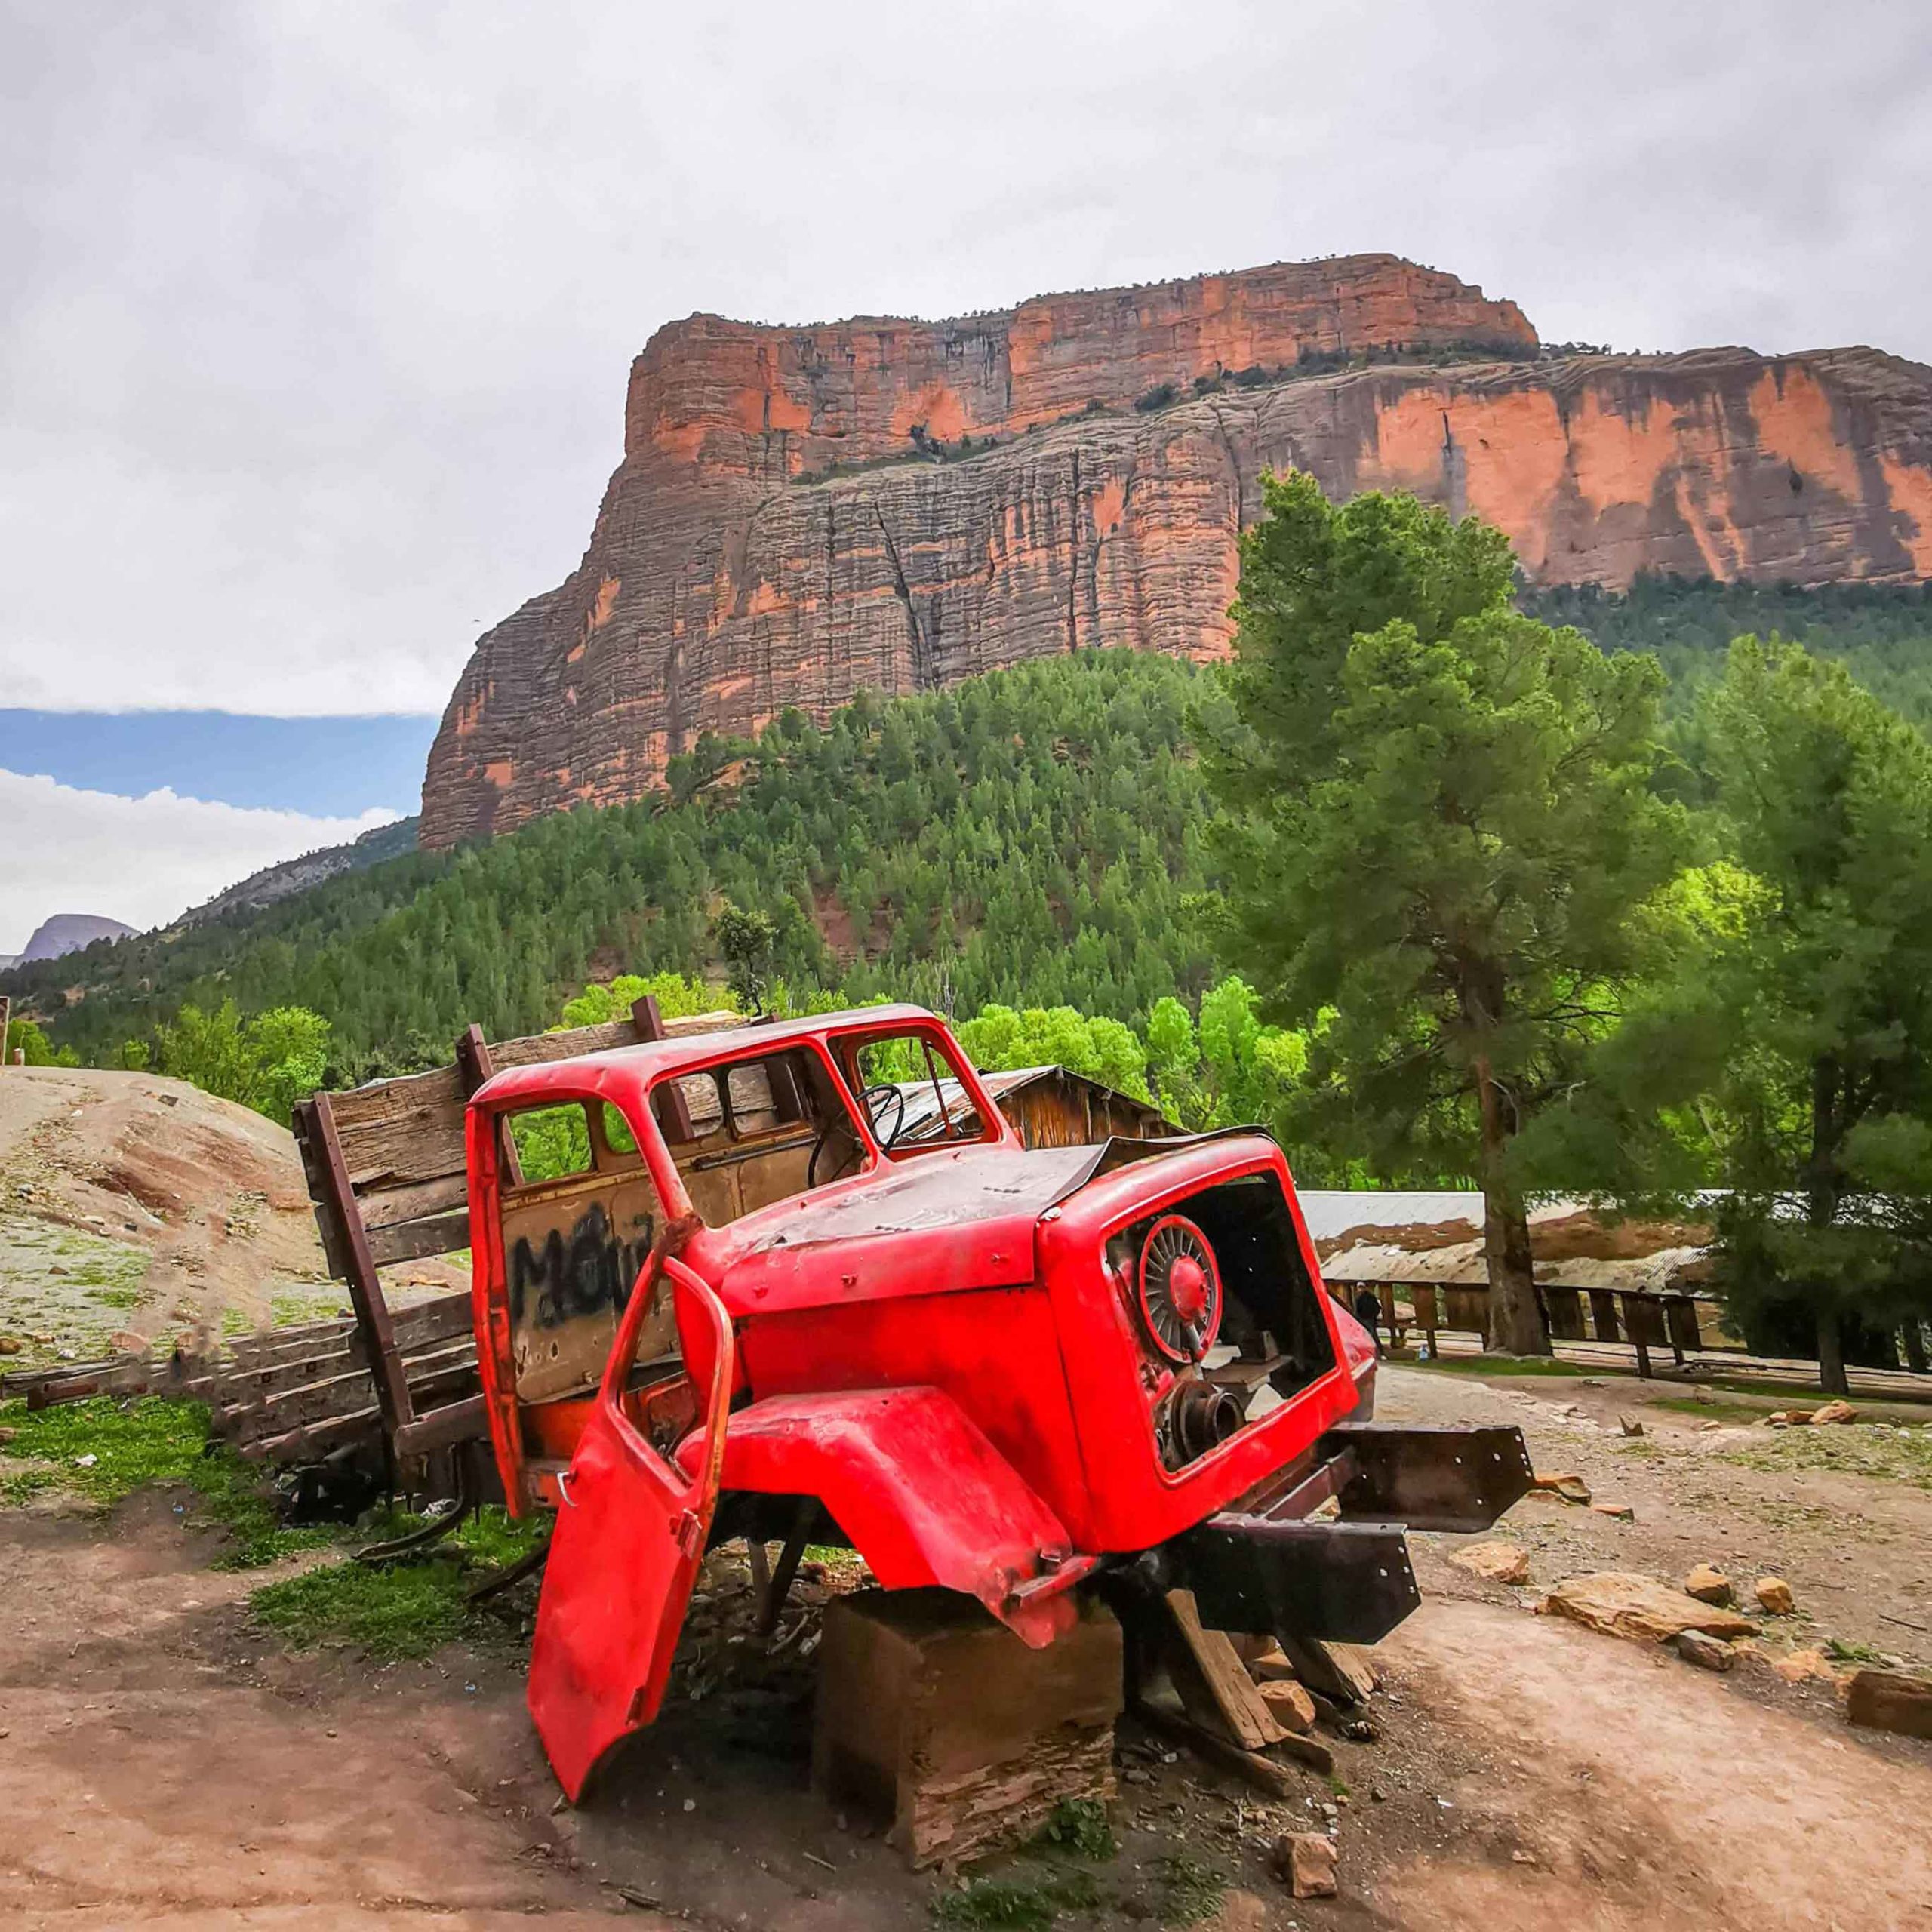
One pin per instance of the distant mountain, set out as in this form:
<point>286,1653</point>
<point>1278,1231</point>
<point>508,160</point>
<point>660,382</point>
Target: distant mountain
<point>264,888</point>
<point>802,513</point>
<point>68,932</point>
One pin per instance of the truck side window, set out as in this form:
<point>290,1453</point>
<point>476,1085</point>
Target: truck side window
<point>913,1094</point>
<point>550,1141</point>
<point>579,1212</point>
<point>753,1131</point>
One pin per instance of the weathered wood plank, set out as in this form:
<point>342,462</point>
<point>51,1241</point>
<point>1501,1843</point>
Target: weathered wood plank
<point>365,1288</point>
<point>285,1408</point>
<point>413,1241</point>
<point>422,1323</point>
<point>466,1421</point>
<point>1214,1687</point>
<point>389,1206</point>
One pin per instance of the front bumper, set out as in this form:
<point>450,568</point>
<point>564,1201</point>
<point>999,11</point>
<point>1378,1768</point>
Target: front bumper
<point>1267,1564</point>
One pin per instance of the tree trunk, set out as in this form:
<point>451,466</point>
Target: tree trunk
<point>1915,1347</point>
<point>1516,1325</point>
<point>1831,1355</point>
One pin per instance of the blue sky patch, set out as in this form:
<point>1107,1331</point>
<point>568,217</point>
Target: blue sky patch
<point>326,766</point>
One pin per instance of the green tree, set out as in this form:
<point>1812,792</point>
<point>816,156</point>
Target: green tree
<point>999,1039</point>
<point>1234,1070</point>
<point>679,997</point>
<point>1445,838</point>
<point>28,1037</point>
<point>291,1047</point>
<point>747,939</point>
<point>1789,1061</point>
<point>267,1062</point>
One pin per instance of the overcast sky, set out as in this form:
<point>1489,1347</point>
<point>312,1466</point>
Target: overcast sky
<point>314,318</point>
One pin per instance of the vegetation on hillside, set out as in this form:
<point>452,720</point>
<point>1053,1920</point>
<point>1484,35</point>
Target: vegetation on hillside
<point>1453,836</point>
<point>1030,838</point>
<point>1881,633</point>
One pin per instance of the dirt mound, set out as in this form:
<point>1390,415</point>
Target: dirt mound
<point>199,1203</point>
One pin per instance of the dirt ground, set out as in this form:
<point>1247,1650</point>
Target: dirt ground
<point>163,1761</point>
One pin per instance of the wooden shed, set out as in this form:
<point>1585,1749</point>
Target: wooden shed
<point>1048,1105</point>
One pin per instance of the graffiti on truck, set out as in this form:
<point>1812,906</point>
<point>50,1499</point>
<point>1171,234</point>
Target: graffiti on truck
<point>584,1273</point>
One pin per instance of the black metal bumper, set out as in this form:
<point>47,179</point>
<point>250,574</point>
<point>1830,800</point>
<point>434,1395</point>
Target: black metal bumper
<point>1266,1565</point>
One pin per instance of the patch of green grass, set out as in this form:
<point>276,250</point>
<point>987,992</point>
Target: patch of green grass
<point>292,1310</point>
<point>101,1450</point>
<point>148,1440</point>
<point>397,1610</point>
<point>1710,1411</point>
<point>119,1297</point>
<point>1844,1449</point>
<point>1030,1905</point>
<point>1191,1891</point>
<point>1840,1652</point>
<point>1079,1825</point>
<point>403,1610</point>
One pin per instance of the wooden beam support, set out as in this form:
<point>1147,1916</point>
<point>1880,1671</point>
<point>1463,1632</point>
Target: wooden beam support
<point>365,1286</point>
<point>648,1018</point>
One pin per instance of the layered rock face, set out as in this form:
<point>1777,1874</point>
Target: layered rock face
<point>802,513</point>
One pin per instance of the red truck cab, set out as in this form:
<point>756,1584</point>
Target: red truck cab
<point>802,1279</point>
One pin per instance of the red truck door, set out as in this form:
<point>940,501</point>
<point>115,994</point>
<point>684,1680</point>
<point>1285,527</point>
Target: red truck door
<point>629,1536</point>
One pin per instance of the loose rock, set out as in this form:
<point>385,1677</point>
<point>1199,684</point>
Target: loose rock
<point>1499,1562</point>
<point>1709,1585</point>
<point>1571,1487</point>
<point>1774,1594</point>
<point>1623,1603</point>
<point>1832,1412</point>
<point>1305,1862</point>
<point>1623,1511</point>
<point>1884,1700</point>
<point>1271,1666</point>
<point>1706,1653</point>
<point>1801,1666</point>
<point>1629,1425</point>
<point>1290,1705</point>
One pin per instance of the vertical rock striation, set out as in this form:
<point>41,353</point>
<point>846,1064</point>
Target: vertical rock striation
<point>802,513</point>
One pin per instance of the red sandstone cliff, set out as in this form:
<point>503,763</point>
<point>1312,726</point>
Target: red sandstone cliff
<point>745,557</point>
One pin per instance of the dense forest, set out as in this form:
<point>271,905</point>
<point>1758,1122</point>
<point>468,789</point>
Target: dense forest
<point>1032,839</point>
<point>1881,632</point>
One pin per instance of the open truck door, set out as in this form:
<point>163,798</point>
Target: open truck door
<point>630,1534</point>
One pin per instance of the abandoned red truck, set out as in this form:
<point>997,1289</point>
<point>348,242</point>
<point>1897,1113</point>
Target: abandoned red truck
<point>803,1282</point>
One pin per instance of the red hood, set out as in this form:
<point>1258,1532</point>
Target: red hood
<point>871,1237</point>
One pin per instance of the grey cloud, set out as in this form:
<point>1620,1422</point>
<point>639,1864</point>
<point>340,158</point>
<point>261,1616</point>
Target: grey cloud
<point>316,319</point>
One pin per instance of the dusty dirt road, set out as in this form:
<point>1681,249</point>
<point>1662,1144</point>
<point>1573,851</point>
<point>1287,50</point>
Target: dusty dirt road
<point>163,1762</point>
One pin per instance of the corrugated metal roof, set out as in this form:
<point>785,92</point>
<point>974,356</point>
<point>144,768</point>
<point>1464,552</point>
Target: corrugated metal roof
<point>1331,1212</point>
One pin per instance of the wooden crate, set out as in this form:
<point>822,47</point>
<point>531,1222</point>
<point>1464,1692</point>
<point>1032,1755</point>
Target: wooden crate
<point>936,1720</point>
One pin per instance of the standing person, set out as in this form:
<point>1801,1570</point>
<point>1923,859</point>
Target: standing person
<point>1368,1313</point>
